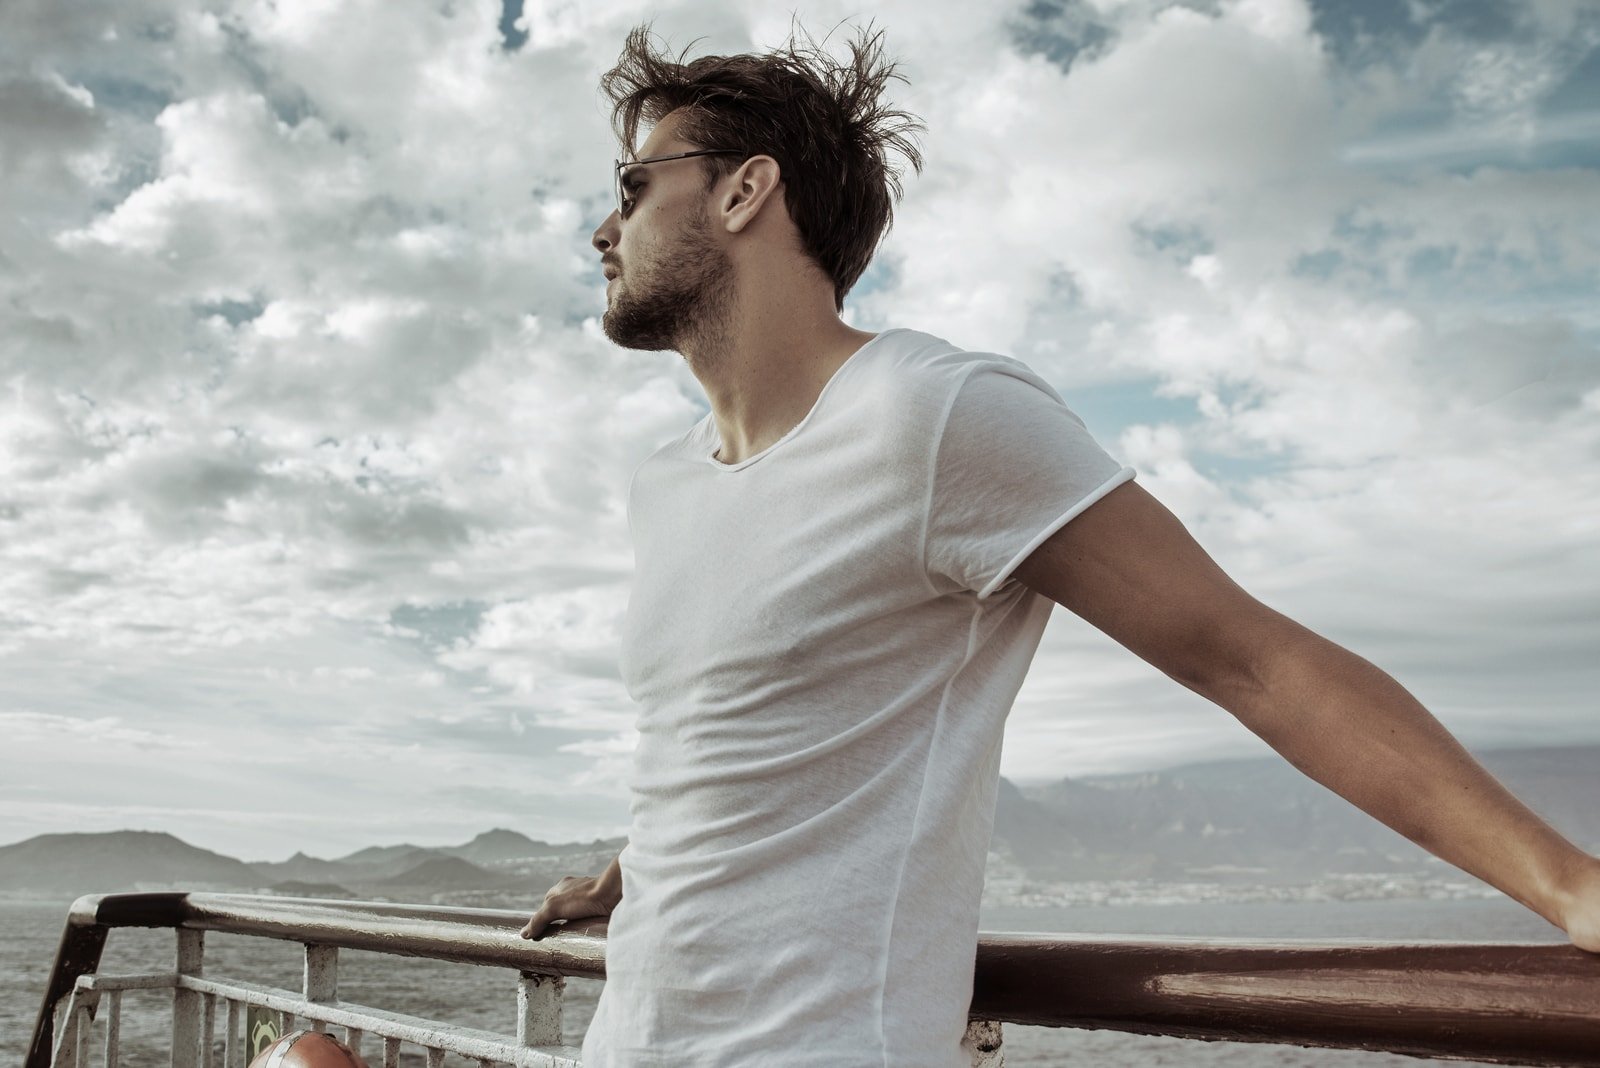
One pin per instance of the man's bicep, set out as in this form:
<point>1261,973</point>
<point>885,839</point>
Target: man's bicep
<point>1128,566</point>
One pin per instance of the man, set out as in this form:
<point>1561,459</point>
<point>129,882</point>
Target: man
<point>843,572</point>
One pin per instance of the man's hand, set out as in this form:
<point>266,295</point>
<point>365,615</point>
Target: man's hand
<point>576,897</point>
<point>1580,911</point>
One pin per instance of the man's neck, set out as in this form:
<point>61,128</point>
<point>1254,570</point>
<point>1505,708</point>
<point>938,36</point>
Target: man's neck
<point>763,376</point>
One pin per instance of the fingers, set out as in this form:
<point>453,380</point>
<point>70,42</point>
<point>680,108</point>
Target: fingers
<point>537,931</point>
<point>536,924</point>
<point>562,902</point>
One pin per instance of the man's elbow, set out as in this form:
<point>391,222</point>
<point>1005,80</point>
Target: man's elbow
<point>1242,665</point>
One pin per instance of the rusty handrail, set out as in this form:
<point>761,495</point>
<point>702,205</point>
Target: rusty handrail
<point>1496,1002</point>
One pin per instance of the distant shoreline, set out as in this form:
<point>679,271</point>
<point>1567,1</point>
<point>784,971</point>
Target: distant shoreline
<point>1099,893</point>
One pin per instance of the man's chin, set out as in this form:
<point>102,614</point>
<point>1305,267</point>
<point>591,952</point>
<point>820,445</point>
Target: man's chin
<point>622,339</point>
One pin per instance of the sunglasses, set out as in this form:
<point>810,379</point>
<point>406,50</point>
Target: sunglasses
<point>624,202</point>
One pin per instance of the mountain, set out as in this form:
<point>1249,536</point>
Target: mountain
<point>498,849</point>
<point>366,865</point>
<point>502,846</point>
<point>1256,816</point>
<point>55,864</point>
<point>386,856</point>
<point>1256,821</point>
<point>300,868</point>
<point>296,888</point>
<point>449,873</point>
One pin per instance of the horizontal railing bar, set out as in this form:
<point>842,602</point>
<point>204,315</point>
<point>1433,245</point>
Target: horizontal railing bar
<point>146,981</point>
<point>467,1041</point>
<point>1510,1004</point>
<point>462,935</point>
<point>1502,1003</point>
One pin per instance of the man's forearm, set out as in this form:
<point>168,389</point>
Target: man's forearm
<point>1353,728</point>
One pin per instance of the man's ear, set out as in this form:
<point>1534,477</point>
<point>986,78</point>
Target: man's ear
<point>749,188</point>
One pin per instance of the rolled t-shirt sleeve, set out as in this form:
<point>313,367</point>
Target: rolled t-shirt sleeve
<point>1012,465</point>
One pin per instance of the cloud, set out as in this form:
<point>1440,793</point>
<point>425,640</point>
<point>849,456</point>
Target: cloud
<point>308,429</point>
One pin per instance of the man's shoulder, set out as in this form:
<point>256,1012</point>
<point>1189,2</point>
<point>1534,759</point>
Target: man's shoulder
<point>692,441</point>
<point>923,372</point>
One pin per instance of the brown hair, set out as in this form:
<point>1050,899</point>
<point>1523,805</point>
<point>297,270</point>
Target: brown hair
<point>822,122</point>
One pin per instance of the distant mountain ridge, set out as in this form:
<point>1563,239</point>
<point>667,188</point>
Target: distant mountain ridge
<point>450,873</point>
<point>117,861</point>
<point>1255,819</point>
<point>494,848</point>
<point>1257,816</point>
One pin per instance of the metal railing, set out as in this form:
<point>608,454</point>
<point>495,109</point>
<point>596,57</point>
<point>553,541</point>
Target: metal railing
<point>1502,1003</point>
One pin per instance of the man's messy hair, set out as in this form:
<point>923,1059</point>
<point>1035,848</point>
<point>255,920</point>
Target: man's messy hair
<point>824,123</point>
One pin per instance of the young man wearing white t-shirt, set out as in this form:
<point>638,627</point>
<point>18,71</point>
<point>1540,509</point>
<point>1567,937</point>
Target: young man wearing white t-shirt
<point>842,573</point>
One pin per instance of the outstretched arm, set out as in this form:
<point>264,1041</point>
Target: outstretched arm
<point>1128,566</point>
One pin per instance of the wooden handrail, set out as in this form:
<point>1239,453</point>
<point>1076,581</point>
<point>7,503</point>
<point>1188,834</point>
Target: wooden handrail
<point>1503,1003</point>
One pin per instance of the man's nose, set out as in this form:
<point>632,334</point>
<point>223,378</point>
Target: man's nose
<point>604,236</point>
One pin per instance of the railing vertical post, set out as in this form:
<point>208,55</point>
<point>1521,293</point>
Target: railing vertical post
<point>208,1031</point>
<point>71,1049</point>
<point>983,1043</point>
<point>81,1037</point>
<point>352,1038</point>
<point>65,1042</point>
<point>77,954</point>
<point>321,977</point>
<point>114,1029</point>
<point>234,1044</point>
<point>539,1009</point>
<point>187,1004</point>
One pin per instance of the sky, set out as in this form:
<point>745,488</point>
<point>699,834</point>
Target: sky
<point>313,454</point>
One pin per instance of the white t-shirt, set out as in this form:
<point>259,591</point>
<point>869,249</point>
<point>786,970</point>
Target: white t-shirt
<point>824,642</point>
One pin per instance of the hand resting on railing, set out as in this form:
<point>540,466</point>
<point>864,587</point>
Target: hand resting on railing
<point>577,897</point>
<point>1580,905</point>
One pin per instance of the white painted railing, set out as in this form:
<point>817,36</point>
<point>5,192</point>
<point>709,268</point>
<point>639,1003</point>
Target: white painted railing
<point>203,1005</point>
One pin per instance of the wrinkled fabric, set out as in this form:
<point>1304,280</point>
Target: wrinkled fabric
<point>824,641</point>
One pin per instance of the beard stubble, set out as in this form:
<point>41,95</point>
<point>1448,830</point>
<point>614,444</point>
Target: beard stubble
<point>679,299</point>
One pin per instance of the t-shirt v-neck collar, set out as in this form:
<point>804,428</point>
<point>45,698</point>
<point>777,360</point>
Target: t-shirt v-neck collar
<point>709,455</point>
